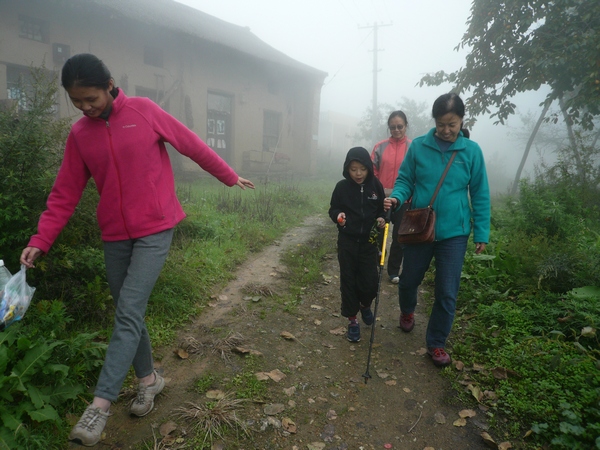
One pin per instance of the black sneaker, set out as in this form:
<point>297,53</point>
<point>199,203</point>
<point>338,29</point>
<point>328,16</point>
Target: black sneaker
<point>353,332</point>
<point>367,315</point>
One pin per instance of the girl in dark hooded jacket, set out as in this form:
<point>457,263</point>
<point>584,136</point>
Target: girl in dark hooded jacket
<point>357,208</point>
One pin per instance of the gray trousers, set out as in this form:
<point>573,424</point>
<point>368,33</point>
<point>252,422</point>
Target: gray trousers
<point>132,268</point>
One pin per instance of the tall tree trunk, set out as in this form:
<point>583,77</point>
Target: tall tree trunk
<point>569,124</point>
<point>515,185</point>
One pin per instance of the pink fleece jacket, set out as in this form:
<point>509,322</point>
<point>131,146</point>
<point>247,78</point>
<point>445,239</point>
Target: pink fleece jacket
<point>127,158</point>
<point>387,156</point>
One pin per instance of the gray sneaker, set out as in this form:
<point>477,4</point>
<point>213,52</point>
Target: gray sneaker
<point>88,430</point>
<point>144,402</point>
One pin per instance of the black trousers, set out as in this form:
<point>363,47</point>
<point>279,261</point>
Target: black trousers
<point>359,277</point>
<point>396,253</point>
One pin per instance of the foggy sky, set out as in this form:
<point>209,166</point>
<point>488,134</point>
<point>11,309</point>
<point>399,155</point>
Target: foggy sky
<point>336,36</point>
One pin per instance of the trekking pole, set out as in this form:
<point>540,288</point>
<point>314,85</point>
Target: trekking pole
<point>388,216</point>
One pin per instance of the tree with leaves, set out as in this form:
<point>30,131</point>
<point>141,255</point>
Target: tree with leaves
<point>518,46</point>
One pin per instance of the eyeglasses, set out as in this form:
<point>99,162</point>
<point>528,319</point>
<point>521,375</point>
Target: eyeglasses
<point>396,127</point>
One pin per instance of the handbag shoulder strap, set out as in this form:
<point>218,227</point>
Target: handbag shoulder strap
<point>439,185</point>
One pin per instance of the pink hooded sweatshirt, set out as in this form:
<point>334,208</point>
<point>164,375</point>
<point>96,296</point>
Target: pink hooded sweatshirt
<point>127,158</point>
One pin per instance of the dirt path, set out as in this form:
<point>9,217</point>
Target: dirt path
<point>406,404</point>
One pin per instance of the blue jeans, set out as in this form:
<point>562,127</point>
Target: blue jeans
<point>449,256</point>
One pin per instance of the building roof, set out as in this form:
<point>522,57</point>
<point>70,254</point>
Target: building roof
<point>181,18</point>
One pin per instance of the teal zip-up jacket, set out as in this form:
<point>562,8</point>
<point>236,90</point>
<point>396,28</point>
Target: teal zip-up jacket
<point>466,180</point>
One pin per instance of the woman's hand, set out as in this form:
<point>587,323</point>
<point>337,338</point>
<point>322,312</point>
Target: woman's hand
<point>29,255</point>
<point>390,202</point>
<point>380,222</point>
<point>243,183</point>
<point>479,247</point>
<point>341,219</point>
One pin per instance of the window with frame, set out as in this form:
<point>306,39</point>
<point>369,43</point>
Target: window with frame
<point>34,29</point>
<point>271,130</point>
<point>153,56</point>
<point>20,86</point>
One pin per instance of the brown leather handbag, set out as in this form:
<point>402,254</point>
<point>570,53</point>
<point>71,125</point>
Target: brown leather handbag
<point>418,225</point>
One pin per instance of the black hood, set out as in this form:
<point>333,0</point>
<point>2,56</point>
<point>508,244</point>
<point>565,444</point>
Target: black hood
<point>361,155</point>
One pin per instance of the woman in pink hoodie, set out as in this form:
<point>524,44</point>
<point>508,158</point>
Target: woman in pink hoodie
<point>120,143</point>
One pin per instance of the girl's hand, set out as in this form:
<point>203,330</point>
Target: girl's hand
<point>479,247</point>
<point>380,222</point>
<point>29,255</point>
<point>341,219</point>
<point>243,183</point>
<point>390,202</point>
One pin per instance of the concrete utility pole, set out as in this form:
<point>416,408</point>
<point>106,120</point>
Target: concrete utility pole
<point>375,112</point>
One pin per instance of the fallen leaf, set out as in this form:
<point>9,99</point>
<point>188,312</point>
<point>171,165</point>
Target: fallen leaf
<point>273,408</point>
<point>181,353</point>
<point>391,382</point>
<point>262,376</point>
<point>459,422</point>
<point>487,439</point>
<point>504,446</point>
<point>476,392</point>
<point>331,415</point>
<point>459,365</point>
<point>439,418</point>
<point>288,425</point>
<point>382,374</point>
<point>256,299</point>
<point>499,373</point>
<point>421,351</point>
<point>490,395</point>
<point>289,391</point>
<point>478,367</point>
<point>215,394</point>
<point>588,332</point>
<point>317,322</point>
<point>244,350</point>
<point>276,375</point>
<point>328,345</point>
<point>338,331</point>
<point>222,298</point>
<point>287,335</point>
<point>167,428</point>
<point>529,433</point>
<point>467,413</point>
<point>407,390</point>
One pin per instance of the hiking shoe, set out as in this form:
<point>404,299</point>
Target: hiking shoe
<point>407,322</point>
<point>439,356</point>
<point>353,332</point>
<point>88,430</point>
<point>144,402</point>
<point>394,280</point>
<point>367,315</point>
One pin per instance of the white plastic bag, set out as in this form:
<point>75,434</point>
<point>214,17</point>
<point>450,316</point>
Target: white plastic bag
<point>15,299</point>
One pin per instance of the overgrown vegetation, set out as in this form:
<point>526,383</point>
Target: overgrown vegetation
<point>530,311</point>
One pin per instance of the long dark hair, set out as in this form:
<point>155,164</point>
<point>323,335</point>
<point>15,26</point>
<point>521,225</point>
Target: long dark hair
<point>85,69</point>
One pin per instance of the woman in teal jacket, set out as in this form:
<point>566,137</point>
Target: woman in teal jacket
<point>462,205</point>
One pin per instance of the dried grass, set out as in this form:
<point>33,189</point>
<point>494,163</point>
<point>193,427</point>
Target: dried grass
<point>258,289</point>
<point>226,345</point>
<point>212,419</point>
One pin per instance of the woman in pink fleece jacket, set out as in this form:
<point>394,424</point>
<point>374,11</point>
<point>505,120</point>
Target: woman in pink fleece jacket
<point>120,143</point>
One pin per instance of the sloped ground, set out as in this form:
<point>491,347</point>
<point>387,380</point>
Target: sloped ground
<point>317,396</point>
